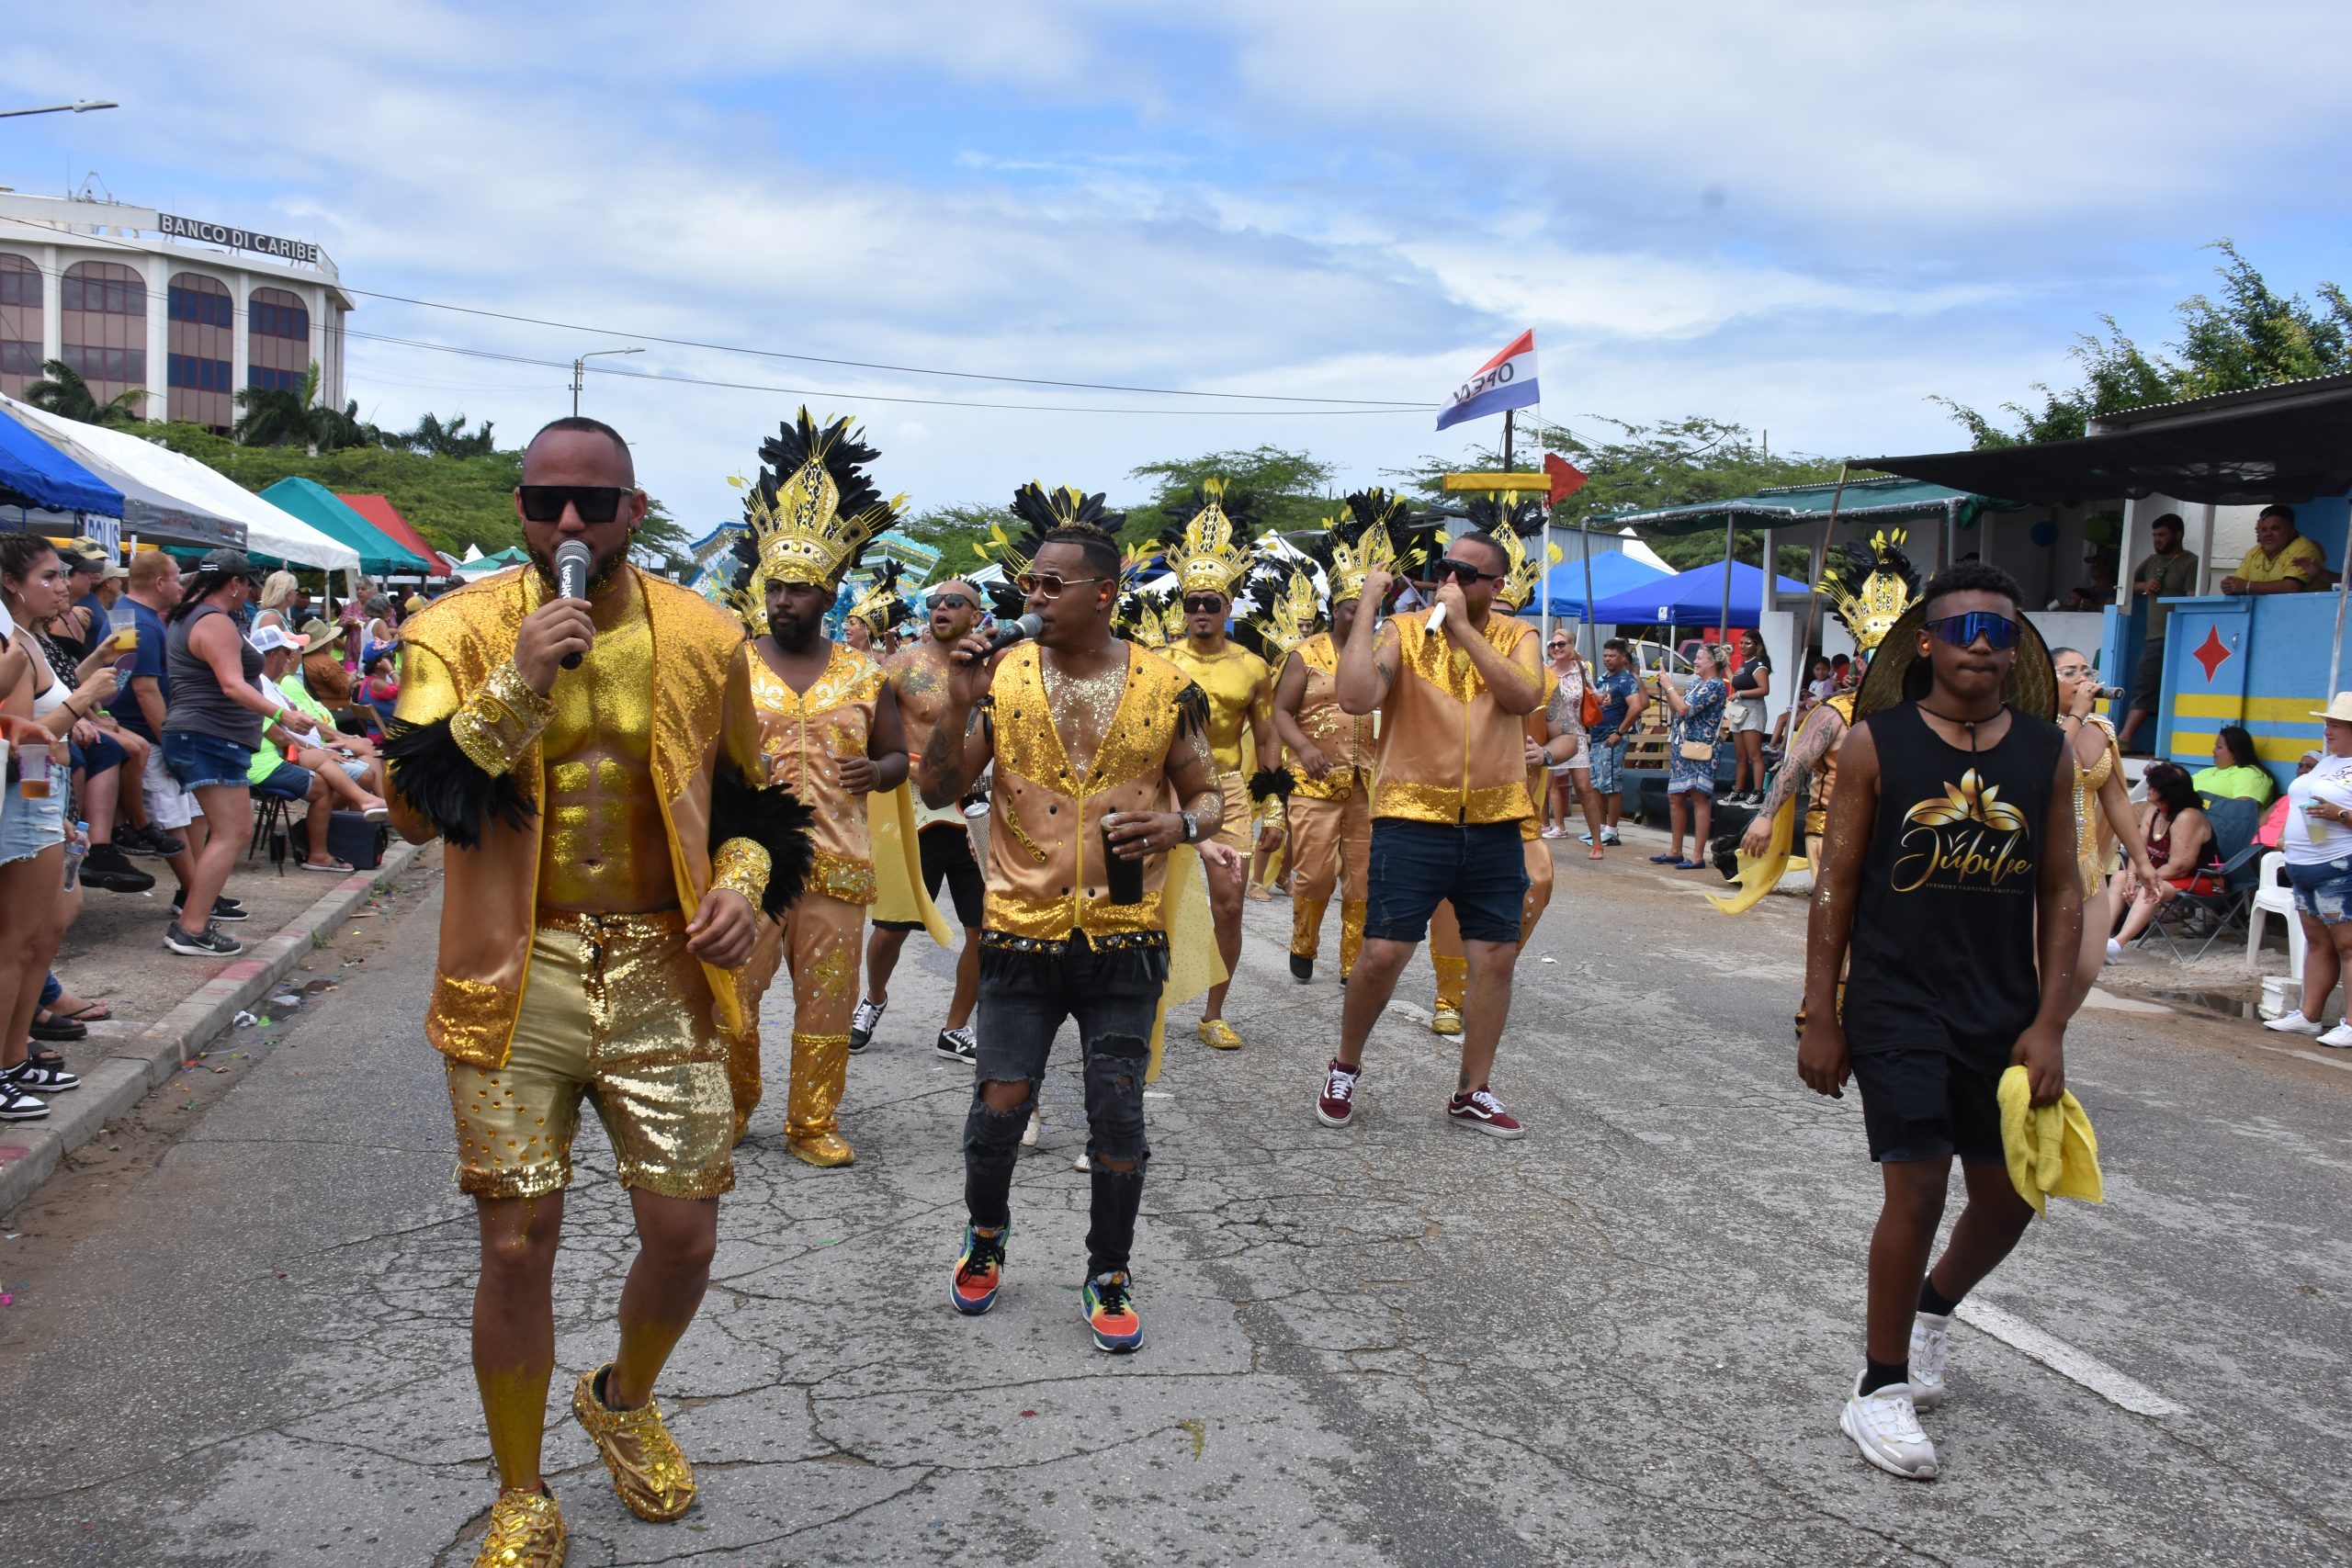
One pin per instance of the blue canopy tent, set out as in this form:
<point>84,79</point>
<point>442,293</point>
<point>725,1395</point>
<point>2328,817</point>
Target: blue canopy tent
<point>1694,598</point>
<point>1613,572</point>
<point>33,474</point>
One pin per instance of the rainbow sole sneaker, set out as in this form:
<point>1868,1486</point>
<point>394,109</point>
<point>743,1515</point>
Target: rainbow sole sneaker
<point>1109,1313</point>
<point>980,1272</point>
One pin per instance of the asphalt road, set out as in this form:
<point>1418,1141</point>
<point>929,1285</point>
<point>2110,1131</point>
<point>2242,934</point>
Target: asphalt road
<point>1622,1339</point>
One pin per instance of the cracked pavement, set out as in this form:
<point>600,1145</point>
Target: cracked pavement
<point>1623,1338</point>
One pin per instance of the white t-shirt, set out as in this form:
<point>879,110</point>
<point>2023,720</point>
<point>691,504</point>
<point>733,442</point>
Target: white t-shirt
<point>2309,841</point>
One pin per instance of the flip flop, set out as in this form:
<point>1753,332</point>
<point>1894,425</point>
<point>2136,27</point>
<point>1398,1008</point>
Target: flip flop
<point>1662,859</point>
<point>88,1012</point>
<point>336,866</point>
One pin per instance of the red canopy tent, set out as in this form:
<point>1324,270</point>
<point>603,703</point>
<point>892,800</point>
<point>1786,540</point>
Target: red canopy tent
<point>381,512</point>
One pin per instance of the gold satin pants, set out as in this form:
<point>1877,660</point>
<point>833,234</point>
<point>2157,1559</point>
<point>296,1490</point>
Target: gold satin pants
<point>819,944</point>
<point>1330,845</point>
<point>617,1010</point>
<point>1446,952</point>
<point>1239,825</point>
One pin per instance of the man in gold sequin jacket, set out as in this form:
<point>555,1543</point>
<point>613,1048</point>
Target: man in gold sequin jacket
<point>610,854</point>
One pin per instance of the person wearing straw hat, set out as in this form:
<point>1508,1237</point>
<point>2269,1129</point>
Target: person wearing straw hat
<point>2317,838</point>
<point>1949,878</point>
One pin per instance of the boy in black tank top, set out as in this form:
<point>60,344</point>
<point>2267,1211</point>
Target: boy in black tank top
<point>1948,883</point>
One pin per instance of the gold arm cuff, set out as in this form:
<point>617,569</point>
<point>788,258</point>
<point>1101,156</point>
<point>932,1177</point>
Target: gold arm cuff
<point>742,865</point>
<point>498,723</point>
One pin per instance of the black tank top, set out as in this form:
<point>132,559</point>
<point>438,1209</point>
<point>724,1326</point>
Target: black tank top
<point>1944,947</point>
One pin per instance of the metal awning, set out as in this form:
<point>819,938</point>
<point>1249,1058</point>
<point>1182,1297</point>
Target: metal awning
<point>1874,500</point>
<point>2288,443</point>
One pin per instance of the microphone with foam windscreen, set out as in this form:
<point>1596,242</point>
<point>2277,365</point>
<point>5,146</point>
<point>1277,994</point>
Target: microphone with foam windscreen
<point>572,560</point>
<point>1010,632</point>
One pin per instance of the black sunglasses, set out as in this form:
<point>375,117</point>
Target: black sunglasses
<point>1463,570</point>
<point>952,602</point>
<point>595,503</point>
<point>1202,605</point>
<point>1998,631</point>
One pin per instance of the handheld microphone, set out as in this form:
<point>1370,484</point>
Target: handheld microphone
<point>572,560</point>
<point>2109,694</point>
<point>1437,620</point>
<point>1010,632</point>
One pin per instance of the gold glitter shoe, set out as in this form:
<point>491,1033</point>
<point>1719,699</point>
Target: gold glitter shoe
<point>1216,1032</point>
<point>1445,1020</point>
<point>825,1151</point>
<point>649,1472</point>
<point>525,1531</point>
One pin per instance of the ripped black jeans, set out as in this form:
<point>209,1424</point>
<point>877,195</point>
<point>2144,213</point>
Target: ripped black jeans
<point>1023,999</point>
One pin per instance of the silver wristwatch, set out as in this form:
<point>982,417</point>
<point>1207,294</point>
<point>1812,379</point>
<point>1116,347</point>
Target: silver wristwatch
<point>1192,828</point>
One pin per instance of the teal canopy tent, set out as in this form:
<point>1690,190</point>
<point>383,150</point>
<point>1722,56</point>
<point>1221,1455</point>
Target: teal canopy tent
<point>324,510</point>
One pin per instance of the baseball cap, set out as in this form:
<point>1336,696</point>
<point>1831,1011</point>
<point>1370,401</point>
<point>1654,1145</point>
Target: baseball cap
<point>230,563</point>
<point>267,639</point>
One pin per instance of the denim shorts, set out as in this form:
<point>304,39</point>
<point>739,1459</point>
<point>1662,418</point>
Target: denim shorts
<point>1416,866</point>
<point>2324,889</point>
<point>1608,761</point>
<point>28,827</point>
<point>290,781</point>
<point>202,762</point>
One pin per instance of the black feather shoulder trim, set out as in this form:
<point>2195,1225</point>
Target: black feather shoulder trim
<point>1192,710</point>
<point>773,818</point>
<point>449,789</point>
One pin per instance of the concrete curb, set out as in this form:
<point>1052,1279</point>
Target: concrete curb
<point>141,1063</point>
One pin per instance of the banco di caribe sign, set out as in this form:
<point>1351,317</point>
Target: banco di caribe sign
<point>178,228</point>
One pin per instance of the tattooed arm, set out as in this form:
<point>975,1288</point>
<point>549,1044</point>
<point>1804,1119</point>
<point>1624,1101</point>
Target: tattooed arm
<point>1823,729</point>
<point>961,740</point>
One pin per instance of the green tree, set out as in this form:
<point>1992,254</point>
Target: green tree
<point>2250,337</point>
<point>438,439</point>
<point>1285,490</point>
<point>61,391</point>
<point>274,417</point>
<point>956,533</point>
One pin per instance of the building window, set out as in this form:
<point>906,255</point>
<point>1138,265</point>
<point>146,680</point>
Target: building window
<point>103,327</point>
<point>277,339</point>
<point>202,373</point>
<point>20,323</point>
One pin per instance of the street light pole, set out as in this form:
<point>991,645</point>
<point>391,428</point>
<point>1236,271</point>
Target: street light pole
<point>580,369</point>
<point>83,107</point>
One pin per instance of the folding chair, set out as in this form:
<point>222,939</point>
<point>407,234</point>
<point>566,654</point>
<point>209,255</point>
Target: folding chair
<point>270,823</point>
<point>2228,894</point>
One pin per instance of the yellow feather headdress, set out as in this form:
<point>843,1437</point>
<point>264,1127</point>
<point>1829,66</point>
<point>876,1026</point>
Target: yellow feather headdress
<point>813,510</point>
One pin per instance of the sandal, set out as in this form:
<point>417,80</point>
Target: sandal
<point>48,1026</point>
<point>334,865</point>
<point>50,1060</point>
<point>88,1012</point>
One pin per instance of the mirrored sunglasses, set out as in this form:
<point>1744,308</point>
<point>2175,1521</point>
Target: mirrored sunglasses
<point>1962,630</point>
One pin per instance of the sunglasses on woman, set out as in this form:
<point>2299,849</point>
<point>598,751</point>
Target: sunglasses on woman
<point>595,503</point>
<point>1962,630</point>
<point>1049,584</point>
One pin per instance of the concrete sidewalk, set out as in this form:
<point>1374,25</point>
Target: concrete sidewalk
<point>169,1009</point>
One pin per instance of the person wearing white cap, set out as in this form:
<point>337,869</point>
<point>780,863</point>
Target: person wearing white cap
<point>2318,843</point>
<point>295,763</point>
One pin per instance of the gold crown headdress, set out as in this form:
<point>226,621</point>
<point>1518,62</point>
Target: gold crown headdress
<point>1514,522</point>
<point>879,603</point>
<point>1522,573</point>
<point>813,511</point>
<point>1293,610</point>
<point>1041,511</point>
<point>1372,532</point>
<point>1870,586</point>
<point>1206,542</point>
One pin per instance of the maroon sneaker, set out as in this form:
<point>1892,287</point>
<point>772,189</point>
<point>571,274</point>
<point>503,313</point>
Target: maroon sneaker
<point>1337,1107</point>
<point>1482,1112</point>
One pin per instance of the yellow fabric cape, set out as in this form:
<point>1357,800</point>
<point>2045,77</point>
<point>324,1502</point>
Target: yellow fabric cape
<point>1193,963</point>
<point>2053,1153</point>
<point>1759,875</point>
<point>897,864</point>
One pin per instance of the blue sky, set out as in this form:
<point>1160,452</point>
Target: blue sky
<point>1701,209</point>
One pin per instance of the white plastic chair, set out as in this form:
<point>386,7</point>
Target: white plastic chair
<point>2272,893</point>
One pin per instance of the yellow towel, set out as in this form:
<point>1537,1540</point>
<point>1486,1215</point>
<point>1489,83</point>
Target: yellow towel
<point>898,893</point>
<point>1193,963</point>
<point>1759,874</point>
<point>2051,1149</point>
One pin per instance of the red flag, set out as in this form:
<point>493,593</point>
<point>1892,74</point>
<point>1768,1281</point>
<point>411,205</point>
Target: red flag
<point>1566,477</point>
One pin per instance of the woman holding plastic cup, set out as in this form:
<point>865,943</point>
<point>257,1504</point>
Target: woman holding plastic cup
<point>36,710</point>
<point>2318,843</point>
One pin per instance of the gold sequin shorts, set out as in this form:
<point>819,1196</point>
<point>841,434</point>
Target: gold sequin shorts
<point>615,1009</point>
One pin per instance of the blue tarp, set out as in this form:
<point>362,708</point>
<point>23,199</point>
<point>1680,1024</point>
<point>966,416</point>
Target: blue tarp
<point>48,478</point>
<point>1692,598</point>
<point>1613,572</point>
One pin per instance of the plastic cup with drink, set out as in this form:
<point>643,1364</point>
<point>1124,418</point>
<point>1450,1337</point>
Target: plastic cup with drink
<point>32,769</point>
<point>124,622</point>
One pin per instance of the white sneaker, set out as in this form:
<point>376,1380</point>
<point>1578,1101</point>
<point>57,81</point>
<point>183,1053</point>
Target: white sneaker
<point>2292,1023</point>
<point>2114,951</point>
<point>1608,836</point>
<point>1587,838</point>
<point>2339,1037</point>
<point>1930,1341</point>
<point>1885,1427</point>
<point>1037,1125</point>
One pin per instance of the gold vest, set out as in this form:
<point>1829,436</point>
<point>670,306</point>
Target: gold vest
<point>1448,752</point>
<point>697,663</point>
<point>1045,871</point>
<point>801,735</point>
<point>1344,737</point>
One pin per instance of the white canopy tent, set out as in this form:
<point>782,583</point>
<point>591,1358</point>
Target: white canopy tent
<point>200,495</point>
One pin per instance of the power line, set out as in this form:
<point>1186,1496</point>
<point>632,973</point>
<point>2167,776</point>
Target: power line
<point>842,396</point>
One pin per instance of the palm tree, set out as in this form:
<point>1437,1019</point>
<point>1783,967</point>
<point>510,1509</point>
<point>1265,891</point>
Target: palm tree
<point>64,393</point>
<point>274,417</point>
<point>435,438</point>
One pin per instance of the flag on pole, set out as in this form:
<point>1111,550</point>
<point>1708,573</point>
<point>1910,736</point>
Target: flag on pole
<point>1506,382</point>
